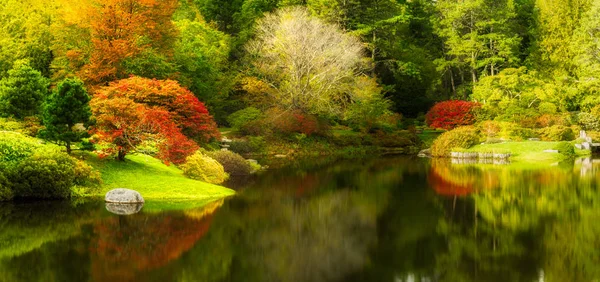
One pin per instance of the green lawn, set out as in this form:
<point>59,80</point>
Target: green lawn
<point>163,187</point>
<point>526,151</point>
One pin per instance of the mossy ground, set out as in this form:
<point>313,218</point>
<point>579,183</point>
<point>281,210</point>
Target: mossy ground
<point>163,187</point>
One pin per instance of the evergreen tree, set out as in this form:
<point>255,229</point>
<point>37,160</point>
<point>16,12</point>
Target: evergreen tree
<point>22,91</point>
<point>65,109</point>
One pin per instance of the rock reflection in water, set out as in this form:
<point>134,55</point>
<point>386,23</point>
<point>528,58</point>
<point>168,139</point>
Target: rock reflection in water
<point>124,209</point>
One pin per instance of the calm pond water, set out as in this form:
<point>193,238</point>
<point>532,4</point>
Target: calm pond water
<point>390,219</point>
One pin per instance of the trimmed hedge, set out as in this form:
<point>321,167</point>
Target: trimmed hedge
<point>201,167</point>
<point>461,137</point>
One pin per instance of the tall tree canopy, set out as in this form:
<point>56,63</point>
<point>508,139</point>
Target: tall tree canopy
<point>310,65</point>
<point>130,37</point>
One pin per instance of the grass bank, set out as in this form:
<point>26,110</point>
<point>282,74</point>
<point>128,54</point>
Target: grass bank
<point>163,187</point>
<point>527,151</point>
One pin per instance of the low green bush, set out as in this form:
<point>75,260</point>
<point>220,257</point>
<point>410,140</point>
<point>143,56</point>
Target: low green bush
<point>557,133</point>
<point>396,139</point>
<point>460,137</point>
<point>47,174</point>
<point>254,144</point>
<point>202,167</point>
<point>233,163</point>
<point>242,117</point>
<point>32,170</point>
<point>8,124</point>
<point>5,190</point>
<point>347,139</point>
<point>566,149</point>
<point>15,147</point>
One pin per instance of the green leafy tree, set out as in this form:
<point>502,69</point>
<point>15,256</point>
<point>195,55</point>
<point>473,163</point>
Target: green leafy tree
<point>65,109</point>
<point>22,91</point>
<point>202,53</point>
<point>586,47</point>
<point>556,24</point>
<point>479,37</point>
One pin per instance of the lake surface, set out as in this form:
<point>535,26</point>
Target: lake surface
<point>390,219</point>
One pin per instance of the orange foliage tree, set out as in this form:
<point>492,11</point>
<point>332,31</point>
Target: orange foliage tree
<point>123,30</point>
<point>131,111</point>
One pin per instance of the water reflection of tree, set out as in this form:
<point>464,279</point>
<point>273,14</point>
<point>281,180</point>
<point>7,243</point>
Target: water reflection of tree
<point>123,247</point>
<point>545,219</point>
<point>307,226</point>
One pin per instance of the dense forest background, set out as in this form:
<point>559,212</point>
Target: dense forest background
<point>517,57</point>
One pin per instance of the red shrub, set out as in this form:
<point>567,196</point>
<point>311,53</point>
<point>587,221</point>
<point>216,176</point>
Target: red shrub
<point>451,114</point>
<point>295,122</point>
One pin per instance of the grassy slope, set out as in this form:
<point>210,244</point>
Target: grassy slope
<point>163,187</point>
<point>527,151</point>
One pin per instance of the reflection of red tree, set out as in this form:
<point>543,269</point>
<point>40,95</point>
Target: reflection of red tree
<point>457,180</point>
<point>306,185</point>
<point>448,188</point>
<point>125,246</point>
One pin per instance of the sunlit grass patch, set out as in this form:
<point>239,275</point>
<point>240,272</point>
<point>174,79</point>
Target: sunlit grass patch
<point>155,181</point>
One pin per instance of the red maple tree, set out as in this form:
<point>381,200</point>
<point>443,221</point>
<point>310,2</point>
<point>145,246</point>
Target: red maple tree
<point>450,114</point>
<point>131,111</point>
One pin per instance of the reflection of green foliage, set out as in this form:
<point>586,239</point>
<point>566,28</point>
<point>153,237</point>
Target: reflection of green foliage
<point>45,222</point>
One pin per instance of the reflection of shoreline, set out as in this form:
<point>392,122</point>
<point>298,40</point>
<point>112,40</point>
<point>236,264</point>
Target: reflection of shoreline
<point>590,166</point>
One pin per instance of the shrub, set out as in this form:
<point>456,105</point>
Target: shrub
<point>85,175</point>
<point>547,120</point>
<point>5,190</point>
<point>566,149</point>
<point>15,147</point>
<point>594,134</point>
<point>450,114</point>
<point>46,174</point>
<point>254,144</point>
<point>256,127</point>
<point>201,167</point>
<point>240,118</point>
<point>397,139</point>
<point>233,163</point>
<point>347,139</point>
<point>557,133</point>
<point>9,124</point>
<point>588,121</point>
<point>460,137</point>
<point>288,122</point>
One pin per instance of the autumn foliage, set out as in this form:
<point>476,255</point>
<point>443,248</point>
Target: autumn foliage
<point>131,111</point>
<point>125,29</point>
<point>451,114</point>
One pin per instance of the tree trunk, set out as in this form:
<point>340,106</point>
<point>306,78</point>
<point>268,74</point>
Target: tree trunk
<point>121,155</point>
<point>373,53</point>
<point>452,83</point>
<point>69,147</point>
